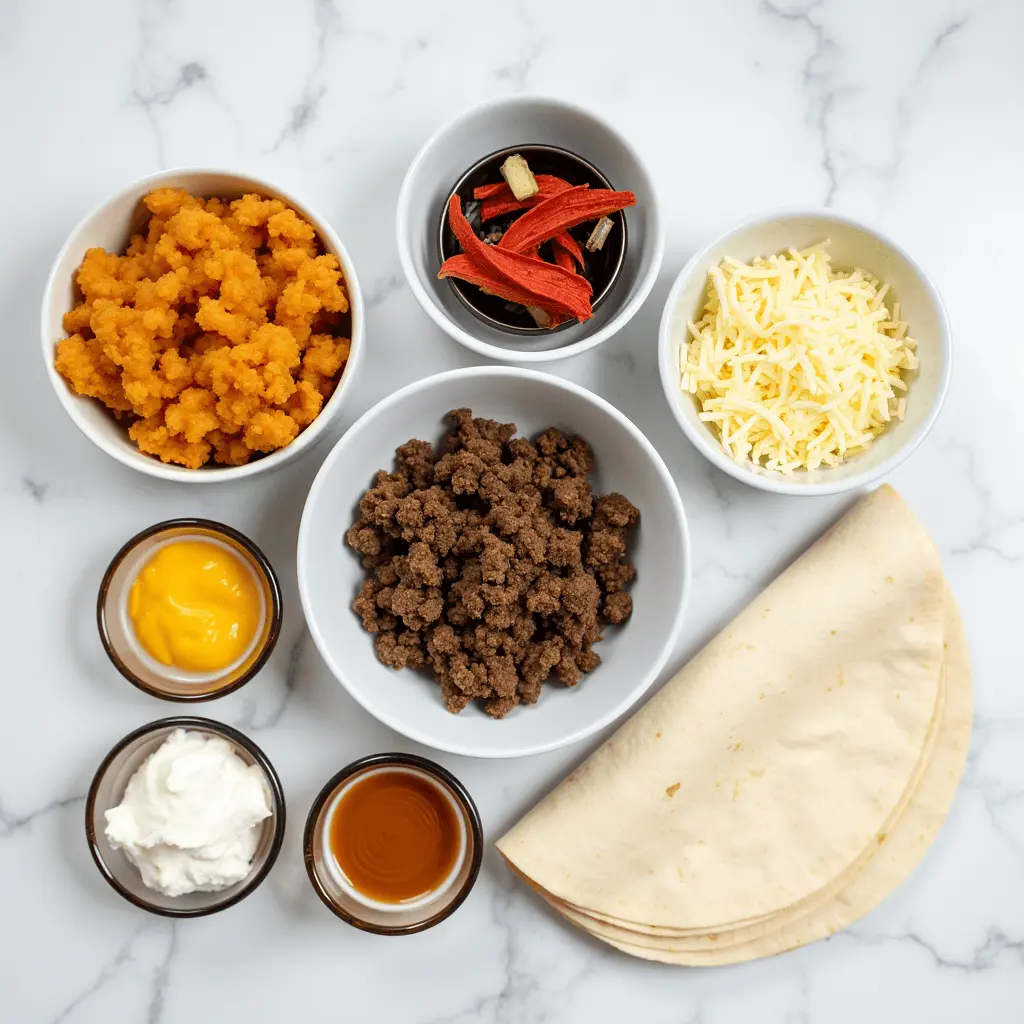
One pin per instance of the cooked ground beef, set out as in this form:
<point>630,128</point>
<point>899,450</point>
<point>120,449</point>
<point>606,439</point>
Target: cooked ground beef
<point>491,562</point>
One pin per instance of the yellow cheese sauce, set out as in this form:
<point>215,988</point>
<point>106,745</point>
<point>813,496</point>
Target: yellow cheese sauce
<point>196,606</point>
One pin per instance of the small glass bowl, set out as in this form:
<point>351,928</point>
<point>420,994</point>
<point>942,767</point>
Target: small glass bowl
<point>118,635</point>
<point>420,914</point>
<point>107,791</point>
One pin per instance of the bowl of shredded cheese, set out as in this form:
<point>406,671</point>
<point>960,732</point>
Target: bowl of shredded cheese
<point>804,353</point>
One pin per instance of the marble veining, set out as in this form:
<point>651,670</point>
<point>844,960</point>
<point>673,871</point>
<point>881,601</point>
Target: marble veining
<point>902,113</point>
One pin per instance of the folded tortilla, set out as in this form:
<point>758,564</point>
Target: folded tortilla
<point>886,867</point>
<point>682,939</point>
<point>757,778</point>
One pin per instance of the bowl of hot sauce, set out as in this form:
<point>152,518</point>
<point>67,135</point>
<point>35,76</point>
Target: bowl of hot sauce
<point>189,610</point>
<point>393,844</point>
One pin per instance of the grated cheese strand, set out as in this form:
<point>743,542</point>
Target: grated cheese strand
<point>795,365</point>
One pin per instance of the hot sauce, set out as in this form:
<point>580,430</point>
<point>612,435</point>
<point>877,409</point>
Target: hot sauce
<point>395,836</point>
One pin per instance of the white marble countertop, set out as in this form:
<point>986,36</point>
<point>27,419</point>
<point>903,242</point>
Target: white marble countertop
<point>903,113</point>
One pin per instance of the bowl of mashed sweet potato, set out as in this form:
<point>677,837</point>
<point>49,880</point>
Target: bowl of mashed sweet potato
<point>202,325</point>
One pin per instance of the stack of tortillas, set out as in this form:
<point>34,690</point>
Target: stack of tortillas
<point>788,778</point>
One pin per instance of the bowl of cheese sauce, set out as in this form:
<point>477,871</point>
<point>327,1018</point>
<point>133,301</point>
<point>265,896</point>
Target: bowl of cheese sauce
<point>189,610</point>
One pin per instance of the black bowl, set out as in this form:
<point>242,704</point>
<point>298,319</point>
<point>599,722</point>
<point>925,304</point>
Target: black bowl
<point>601,268</point>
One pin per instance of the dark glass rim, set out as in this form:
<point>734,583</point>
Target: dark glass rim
<point>408,761</point>
<point>276,608</point>
<point>455,284</point>
<point>239,739</point>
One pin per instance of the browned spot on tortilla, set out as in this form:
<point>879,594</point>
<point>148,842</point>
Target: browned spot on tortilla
<point>657,735</point>
<point>673,789</point>
<point>881,838</point>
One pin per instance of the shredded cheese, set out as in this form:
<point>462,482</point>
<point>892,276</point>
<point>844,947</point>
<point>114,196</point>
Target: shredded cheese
<point>795,365</point>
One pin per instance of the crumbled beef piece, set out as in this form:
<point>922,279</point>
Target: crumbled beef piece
<point>605,547</point>
<point>416,460</point>
<point>365,539</point>
<point>400,650</point>
<point>616,576</point>
<point>564,548</point>
<point>617,607</point>
<point>545,596</point>
<point>581,596</point>
<point>572,499</point>
<point>495,559</point>
<point>615,510</point>
<point>490,562</point>
<point>551,442</point>
<point>578,459</point>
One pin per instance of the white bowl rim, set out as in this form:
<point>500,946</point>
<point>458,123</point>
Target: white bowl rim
<point>152,466</point>
<point>704,441</point>
<point>469,749</point>
<point>464,337</point>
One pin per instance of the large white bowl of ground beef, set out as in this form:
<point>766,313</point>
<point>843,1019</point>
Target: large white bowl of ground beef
<point>494,593</point>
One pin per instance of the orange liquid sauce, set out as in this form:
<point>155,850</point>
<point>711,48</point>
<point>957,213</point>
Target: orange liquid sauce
<point>395,836</point>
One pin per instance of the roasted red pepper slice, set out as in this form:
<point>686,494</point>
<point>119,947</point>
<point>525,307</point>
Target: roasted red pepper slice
<point>564,259</point>
<point>490,209</point>
<point>549,183</point>
<point>465,269</point>
<point>550,285</point>
<point>561,212</point>
<point>505,202</point>
<point>564,243</point>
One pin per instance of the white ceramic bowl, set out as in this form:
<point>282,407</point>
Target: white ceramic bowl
<point>853,245</point>
<point>110,226</point>
<point>495,125</point>
<point>330,573</point>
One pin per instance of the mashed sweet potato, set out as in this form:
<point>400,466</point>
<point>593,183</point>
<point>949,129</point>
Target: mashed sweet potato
<point>219,334</point>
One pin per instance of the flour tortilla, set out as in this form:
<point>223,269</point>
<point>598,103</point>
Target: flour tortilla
<point>684,940</point>
<point>605,926</point>
<point>762,771</point>
<point>893,861</point>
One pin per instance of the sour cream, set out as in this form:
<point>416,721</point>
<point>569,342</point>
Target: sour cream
<point>190,815</point>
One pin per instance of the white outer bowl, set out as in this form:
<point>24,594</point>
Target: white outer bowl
<point>495,125</point>
<point>109,226</point>
<point>853,245</point>
<point>633,654</point>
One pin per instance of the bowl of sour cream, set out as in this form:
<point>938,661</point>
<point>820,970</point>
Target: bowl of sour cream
<point>185,817</point>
